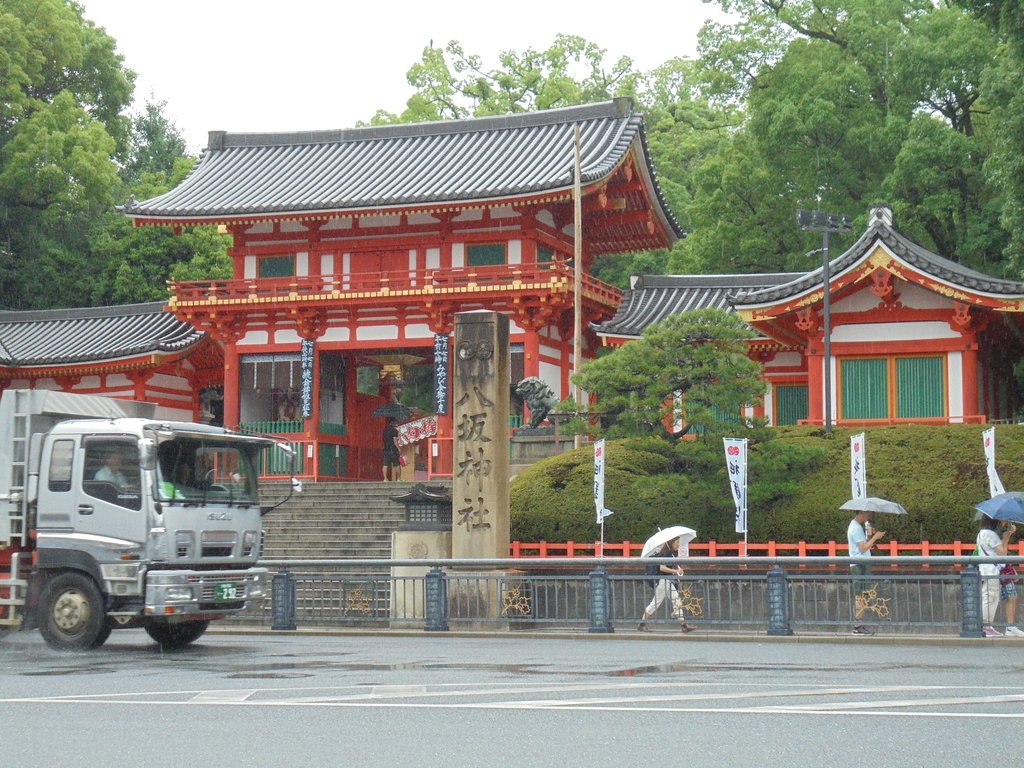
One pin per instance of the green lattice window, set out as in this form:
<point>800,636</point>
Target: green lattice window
<point>790,404</point>
<point>485,254</point>
<point>277,266</point>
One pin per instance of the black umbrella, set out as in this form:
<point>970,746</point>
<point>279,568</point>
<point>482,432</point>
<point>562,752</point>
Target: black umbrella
<point>392,410</point>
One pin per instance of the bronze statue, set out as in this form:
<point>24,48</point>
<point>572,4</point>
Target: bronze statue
<point>539,398</point>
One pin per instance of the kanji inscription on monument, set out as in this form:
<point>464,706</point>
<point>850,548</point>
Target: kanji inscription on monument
<point>480,397</point>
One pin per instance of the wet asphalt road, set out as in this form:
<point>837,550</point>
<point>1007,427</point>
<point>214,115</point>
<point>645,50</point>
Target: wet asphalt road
<point>445,700</point>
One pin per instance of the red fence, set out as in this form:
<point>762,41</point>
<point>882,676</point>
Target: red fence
<point>739,549</point>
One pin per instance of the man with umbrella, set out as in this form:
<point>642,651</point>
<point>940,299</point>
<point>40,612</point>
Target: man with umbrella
<point>860,537</point>
<point>671,542</point>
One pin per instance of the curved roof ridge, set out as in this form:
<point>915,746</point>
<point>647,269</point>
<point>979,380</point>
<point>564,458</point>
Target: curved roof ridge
<point>916,255</point>
<point>615,108</point>
<point>92,334</point>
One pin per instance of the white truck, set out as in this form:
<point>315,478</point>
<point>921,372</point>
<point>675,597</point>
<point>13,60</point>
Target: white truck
<point>110,518</point>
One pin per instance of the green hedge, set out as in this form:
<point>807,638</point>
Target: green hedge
<point>797,479</point>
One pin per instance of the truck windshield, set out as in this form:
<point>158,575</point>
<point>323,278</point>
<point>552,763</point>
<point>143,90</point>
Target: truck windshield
<point>196,471</point>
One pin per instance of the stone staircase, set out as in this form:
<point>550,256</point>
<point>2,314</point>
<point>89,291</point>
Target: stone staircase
<point>332,520</point>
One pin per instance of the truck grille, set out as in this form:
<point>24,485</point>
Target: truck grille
<point>218,543</point>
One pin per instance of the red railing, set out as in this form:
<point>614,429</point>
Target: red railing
<point>408,282</point>
<point>739,549</point>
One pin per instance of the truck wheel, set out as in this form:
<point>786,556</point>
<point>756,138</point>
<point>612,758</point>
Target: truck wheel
<point>173,636</point>
<point>73,616</point>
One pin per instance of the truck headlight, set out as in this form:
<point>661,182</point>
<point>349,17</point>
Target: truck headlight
<point>249,541</point>
<point>121,570</point>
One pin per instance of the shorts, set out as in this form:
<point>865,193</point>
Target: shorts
<point>1007,591</point>
<point>860,585</point>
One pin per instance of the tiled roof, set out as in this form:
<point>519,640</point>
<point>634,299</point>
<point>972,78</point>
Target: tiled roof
<point>407,165</point>
<point>879,230</point>
<point>67,336</point>
<point>654,297</point>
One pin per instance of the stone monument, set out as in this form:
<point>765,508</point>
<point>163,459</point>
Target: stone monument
<point>480,398</point>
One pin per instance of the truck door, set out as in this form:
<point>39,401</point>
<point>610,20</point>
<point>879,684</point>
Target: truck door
<point>109,500</point>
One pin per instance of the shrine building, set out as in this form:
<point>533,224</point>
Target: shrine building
<point>353,250</point>
<point>914,337</point>
<point>135,351</point>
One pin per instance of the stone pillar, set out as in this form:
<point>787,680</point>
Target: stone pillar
<point>480,397</point>
<point>480,505</point>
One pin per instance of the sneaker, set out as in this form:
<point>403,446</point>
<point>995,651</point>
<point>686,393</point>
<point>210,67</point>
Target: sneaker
<point>687,628</point>
<point>642,627</point>
<point>991,632</point>
<point>860,629</point>
<point>1013,631</point>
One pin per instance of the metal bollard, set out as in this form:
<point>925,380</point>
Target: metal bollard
<point>435,586</point>
<point>778,602</point>
<point>970,602</point>
<point>600,601</point>
<point>282,593</point>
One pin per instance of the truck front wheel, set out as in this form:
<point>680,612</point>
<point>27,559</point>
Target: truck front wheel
<point>173,636</point>
<point>73,615</point>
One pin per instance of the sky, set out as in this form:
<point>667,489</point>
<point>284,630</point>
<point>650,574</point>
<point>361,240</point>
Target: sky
<point>253,66</point>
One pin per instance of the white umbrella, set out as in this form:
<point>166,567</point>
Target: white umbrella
<point>875,504</point>
<point>658,540</point>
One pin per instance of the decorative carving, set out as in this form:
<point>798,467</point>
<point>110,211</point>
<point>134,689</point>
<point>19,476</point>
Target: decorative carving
<point>309,324</point>
<point>514,602</point>
<point>806,319</point>
<point>539,398</point>
<point>961,314</point>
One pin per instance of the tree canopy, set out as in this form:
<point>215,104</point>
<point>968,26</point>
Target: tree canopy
<point>70,151</point>
<point>789,104</point>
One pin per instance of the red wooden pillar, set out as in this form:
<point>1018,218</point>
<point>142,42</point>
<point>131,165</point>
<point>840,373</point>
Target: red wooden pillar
<point>969,363</point>
<point>232,380</point>
<point>815,386</point>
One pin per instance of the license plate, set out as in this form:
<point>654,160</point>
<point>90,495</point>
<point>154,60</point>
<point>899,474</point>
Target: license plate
<point>226,591</point>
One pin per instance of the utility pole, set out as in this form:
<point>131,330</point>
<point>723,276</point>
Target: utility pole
<point>577,280</point>
<point>826,223</point>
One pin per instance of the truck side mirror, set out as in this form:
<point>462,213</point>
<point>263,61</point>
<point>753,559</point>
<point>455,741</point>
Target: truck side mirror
<point>147,453</point>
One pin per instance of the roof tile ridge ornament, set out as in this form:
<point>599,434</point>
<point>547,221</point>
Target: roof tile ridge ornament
<point>880,214</point>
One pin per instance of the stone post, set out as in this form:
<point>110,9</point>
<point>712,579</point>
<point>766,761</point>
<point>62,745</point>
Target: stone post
<point>480,515</point>
<point>282,593</point>
<point>778,603</point>
<point>970,602</point>
<point>480,505</point>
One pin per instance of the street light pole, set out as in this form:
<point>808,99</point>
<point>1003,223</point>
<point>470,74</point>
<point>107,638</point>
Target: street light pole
<point>826,223</point>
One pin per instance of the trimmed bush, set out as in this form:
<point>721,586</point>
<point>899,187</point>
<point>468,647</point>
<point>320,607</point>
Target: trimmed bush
<point>797,479</point>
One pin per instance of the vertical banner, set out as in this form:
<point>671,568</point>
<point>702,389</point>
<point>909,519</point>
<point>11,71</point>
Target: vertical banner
<point>736,463</point>
<point>307,359</point>
<point>441,373</point>
<point>602,513</point>
<point>858,468</point>
<point>995,485</point>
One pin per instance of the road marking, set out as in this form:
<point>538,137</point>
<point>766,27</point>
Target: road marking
<point>693,698</point>
<point>222,697</point>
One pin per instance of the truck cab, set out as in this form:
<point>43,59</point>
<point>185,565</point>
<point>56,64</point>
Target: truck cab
<point>129,521</point>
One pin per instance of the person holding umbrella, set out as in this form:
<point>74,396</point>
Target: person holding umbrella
<point>990,544</point>
<point>391,450</point>
<point>860,538</point>
<point>671,542</point>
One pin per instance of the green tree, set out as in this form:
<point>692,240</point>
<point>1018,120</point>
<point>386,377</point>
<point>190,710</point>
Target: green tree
<point>837,101</point>
<point>452,84</point>
<point>156,144</point>
<point>695,358</point>
<point>64,90</point>
<point>1004,168</point>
